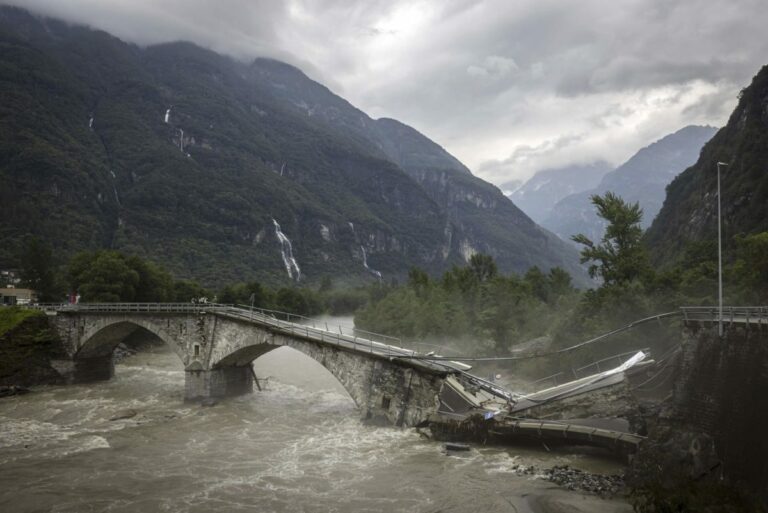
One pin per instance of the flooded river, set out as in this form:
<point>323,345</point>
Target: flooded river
<point>297,446</point>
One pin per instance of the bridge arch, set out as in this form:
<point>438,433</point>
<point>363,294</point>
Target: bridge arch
<point>337,364</point>
<point>100,339</point>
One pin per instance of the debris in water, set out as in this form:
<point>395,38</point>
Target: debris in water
<point>453,446</point>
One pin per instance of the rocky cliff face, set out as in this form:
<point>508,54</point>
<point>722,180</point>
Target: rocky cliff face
<point>641,179</point>
<point>689,212</point>
<point>225,171</point>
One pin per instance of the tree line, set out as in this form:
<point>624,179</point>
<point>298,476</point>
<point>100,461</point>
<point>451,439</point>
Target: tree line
<point>485,313</point>
<point>107,276</point>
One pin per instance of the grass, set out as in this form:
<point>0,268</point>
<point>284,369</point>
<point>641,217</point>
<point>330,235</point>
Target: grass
<point>12,316</point>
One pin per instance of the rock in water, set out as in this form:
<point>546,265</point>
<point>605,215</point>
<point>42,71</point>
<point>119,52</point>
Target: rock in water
<point>7,391</point>
<point>124,414</point>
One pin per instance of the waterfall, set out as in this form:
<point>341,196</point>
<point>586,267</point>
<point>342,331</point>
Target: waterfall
<point>181,140</point>
<point>365,264</point>
<point>167,115</point>
<point>286,251</point>
<point>90,123</point>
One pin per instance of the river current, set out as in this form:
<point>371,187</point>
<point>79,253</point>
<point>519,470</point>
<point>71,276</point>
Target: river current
<point>297,446</point>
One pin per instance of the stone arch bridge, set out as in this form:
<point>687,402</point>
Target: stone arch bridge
<point>217,344</point>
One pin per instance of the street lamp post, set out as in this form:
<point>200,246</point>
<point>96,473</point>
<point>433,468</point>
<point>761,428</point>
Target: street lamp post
<point>719,255</point>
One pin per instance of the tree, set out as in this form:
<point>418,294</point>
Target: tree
<point>538,283</point>
<point>106,276</point>
<point>155,284</point>
<point>620,257</point>
<point>185,291</point>
<point>103,277</point>
<point>751,267</point>
<point>559,282</point>
<point>37,269</point>
<point>483,267</point>
<point>418,280</point>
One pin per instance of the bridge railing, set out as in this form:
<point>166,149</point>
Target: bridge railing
<point>130,307</point>
<point>731,314</point>
<point>307,327</point>
<point>331,328</point>
<point>351,333</point>
<point>587,370</point>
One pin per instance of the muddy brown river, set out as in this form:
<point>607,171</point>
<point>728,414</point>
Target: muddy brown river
<point>297,446</point>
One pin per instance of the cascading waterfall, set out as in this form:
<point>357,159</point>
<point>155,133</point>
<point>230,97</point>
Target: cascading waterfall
<point>167,115</point>
<point>365,264</point>
<point>181,140</point>
<point>286,251</point>
<point>90,123</point>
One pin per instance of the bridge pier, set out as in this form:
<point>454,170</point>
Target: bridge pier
<point>217,383</point>
<point>85,369</point>
<point>96,368</point>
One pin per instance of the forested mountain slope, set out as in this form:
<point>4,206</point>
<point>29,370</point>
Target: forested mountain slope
<point>690,208</point>
<point>225,171</point>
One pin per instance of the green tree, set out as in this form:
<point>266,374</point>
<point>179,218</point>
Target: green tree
<point>185,291</point>
<point>620,257</point>
<point>559,282</point>
<point>155,284</point>
<point>418,279</point>
<point>103,277</point>
<point>38,270</point>
<point>483,267</point>
<point>538,282</point>
<point>751,267</point>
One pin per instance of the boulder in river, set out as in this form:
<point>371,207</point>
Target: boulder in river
<point>124,414</point>
<point>7,391</point>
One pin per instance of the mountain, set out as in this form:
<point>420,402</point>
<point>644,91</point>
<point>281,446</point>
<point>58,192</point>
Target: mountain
<point>640,179</point>
<point>508,188</point>
<point>538,196</point>
<point>689,212</point>
<point>223,170</point>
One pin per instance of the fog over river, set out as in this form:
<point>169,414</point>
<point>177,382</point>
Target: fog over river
<point>297,446</point>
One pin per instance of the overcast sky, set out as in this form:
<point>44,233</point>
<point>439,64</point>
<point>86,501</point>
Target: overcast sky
<point>509,86</point>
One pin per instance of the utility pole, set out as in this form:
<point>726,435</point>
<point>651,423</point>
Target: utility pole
<point>719,254</point>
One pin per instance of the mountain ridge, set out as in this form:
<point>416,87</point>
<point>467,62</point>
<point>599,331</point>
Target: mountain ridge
<point>539,194</point>
<point>642,178</point>
<point>179,154</point>
<point>689,213</point>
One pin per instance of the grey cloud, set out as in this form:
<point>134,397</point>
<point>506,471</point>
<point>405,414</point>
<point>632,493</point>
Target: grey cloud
<point>526,152</point>
<point>493,81</point>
